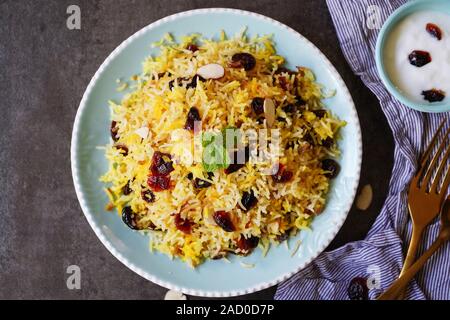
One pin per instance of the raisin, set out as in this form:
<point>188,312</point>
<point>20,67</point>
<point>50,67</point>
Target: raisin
<point>248,200</point>
<point>192,116</point>
<point>433,95</point>
<point>258,105</point>
<point>243,60</point>
<point>148,196</point>
<point>184,225</point>
<point>171,84</point>
<point>194,81</point>
<point>434,30</point>
<point>331,167</point>
<point>128,217</point>
<point>281,119</point>
<point>419,58</point>
<point>320,113</point>
<point>223,220</point>
<point>283,236</point>
<point>126,190</point>
<point>190,176</point>
<point>159,166</point>
<point>300,102</point>
<point>246,245</point>
<point>283,175</point>
<point>192,47</point>
<point>199,183</point>
<point>114,131</point>
<point>328,142</point>
<point>123,149</point>
<point>289,108</point>
<point>159,183</point>
<point>358,290</point>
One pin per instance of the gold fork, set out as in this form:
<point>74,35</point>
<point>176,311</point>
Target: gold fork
<point>424,203</point>
<point>444,235</point>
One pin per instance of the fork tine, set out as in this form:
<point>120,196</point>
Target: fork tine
<point>442,166</point>
<point>427,153</point>
<point>445,184</point>
<point>438,153</point>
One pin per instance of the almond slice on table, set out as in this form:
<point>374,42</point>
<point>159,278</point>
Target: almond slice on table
<point>269,112</point>
<point>211,71</point>
<point>364,198</point>
<point>174,295</point>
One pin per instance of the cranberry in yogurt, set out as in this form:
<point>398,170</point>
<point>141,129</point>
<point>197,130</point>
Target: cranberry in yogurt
<point>417,56</point>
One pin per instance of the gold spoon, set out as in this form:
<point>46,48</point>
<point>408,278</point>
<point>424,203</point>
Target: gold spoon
<point>444,235</point>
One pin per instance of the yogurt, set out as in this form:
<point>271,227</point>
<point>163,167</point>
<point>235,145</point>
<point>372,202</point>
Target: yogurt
<point>409,35</point>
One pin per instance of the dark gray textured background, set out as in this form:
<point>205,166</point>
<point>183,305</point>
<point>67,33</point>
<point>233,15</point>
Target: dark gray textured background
<point>44,70</point>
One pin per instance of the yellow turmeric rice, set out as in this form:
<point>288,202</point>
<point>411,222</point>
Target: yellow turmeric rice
<point>194,209</point>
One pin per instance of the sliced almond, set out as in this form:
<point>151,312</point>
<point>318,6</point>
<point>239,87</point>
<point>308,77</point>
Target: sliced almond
<point>211,71</point>
<point>269,112</point>
<point>364,198</point>
<point>174,295</point>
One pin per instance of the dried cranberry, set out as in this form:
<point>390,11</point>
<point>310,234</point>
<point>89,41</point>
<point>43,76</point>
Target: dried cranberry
<point>246,245</point>
<point>126,190</point>
<point>184,225</point>
<point>192,116</point>
<point>192,47</point>
<point>159,166</point>
<point>159,183</point>
<point>289,108</point>
<point>235,166</point>
<point>331,167</point>
<point>114,131</point>
<point>123,149</point>
<point>283,175</point>
<point>433,95</point>
<point>148,196</point>
<point>223,220</point>
<point>258,105</point>
<point>320,113</point>
<point>128,217</point>
<point>419,58</point>
<point>200,184</point>
<point>248,200</point>
<point>243,60</point>
<point>434,30</point>
<point>358,290</point>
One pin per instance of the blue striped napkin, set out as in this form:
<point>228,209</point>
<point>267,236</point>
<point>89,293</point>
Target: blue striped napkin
<point>380,255</point>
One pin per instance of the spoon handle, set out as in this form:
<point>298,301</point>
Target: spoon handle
<point>396,288</point>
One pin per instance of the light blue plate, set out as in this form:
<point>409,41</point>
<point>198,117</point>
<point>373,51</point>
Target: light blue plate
<point>213,278</point>
<point>407,9</point>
